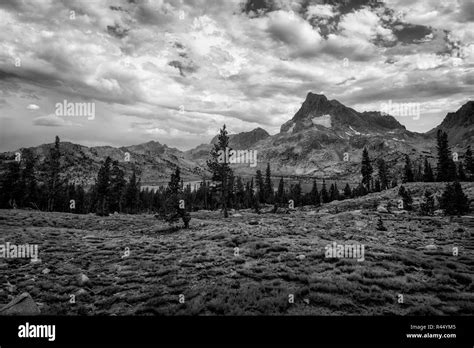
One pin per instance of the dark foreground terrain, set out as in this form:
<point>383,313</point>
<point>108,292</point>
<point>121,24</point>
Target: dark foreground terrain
<point>278,255</point>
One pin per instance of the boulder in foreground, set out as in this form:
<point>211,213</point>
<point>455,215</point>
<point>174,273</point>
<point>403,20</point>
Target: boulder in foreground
<point>21,305</point>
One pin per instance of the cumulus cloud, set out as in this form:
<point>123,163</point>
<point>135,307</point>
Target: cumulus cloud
<point>184,68</point>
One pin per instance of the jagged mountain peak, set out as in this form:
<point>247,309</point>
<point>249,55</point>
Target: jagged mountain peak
<point>320,112</point>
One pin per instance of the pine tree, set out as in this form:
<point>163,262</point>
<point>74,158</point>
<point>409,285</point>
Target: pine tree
<point>268,185</point>
<point>260,187</point>
<point>461,173</point>
<point>314,195</point>
<point>427,172</point>
<point>446,169</point>
<point>407,171</point>
<point>332,193</point>
<point>366,169</point>
<point>175,206</point>
<point>406,198</point>
<point>324,193</point>
<point>219,167</point>
<point>347,191</point>
<point>296,194</point>
<point>383,176</point>
<point>53,168</point>
<point>240,193</point>
<point>427,207</point>
<point>453,200</point>
<point>29,182</point>
<point>469,163</point>
<point>103,188</point>
<point>10,190</point>
<point>117,188</point>
<point>281,192</point>
<point>377,187</point>
<point>80,200</point>
<point>132,194</point>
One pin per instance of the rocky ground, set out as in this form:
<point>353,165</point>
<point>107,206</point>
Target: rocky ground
<point>278,255</point>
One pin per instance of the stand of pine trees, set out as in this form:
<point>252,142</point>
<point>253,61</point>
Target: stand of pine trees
<point>27,185</point>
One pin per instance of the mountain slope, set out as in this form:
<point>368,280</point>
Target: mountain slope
<point>154,162</point>
<point>458,125</point>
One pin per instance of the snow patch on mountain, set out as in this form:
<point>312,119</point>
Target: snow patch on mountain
<point>291,128</point>
<point>356,132</point>
<point>324,120</point>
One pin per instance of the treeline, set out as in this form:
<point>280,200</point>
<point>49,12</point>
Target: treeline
<point>261,190</point>
<point>21,186</point>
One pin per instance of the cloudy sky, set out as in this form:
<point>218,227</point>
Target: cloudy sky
<point>174,71</point>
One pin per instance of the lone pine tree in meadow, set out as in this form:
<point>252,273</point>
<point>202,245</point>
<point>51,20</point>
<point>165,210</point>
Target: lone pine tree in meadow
<point>221,170</point>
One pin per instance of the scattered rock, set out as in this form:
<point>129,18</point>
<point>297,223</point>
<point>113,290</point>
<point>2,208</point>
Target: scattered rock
<point>301,257</point>
<point>382,209</point>
<point>306,300</point>
<point>431,247</point>
<point>21,305</point>
<point>439,212</point>
<point>82,279</point>
<point>237,215</point>
<point>81,292</point>
<point>46,271</point>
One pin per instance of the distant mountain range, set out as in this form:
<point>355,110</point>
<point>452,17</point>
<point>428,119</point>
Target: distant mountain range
<point>323,139</point>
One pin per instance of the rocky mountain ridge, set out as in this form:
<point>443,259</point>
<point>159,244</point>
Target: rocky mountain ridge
<point>323,139</point>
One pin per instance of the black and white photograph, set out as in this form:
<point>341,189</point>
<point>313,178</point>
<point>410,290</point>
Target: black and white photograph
<point>237,158</point>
